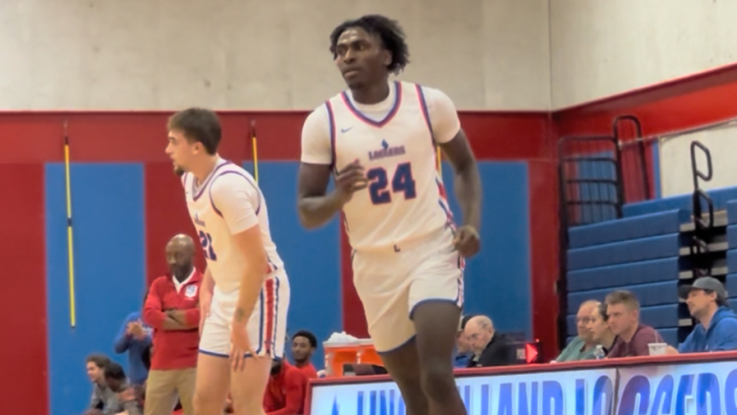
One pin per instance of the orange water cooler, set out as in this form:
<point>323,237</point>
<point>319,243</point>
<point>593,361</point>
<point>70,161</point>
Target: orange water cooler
<point>354,352</point>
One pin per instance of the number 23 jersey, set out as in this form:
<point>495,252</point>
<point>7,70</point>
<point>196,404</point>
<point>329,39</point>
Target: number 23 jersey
<point>395,143</point>
<point>226,203</point>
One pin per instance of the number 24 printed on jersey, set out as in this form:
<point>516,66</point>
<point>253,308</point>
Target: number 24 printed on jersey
<point>402,181</point>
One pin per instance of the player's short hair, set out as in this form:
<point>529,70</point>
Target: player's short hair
<point>114,371</point>
<point>100,360</point>
<point>388,30</point>
<point>308,335</point>
<point>623,297</point>
<point>198,125</point>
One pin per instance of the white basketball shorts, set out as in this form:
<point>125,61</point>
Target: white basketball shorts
<point>266,328</point>
<point>392,282</point>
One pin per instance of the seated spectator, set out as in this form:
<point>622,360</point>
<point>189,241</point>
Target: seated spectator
<point>103,400</point>
<point>128,403</point>
<point>633,337</point>
<point>599,327</point>
<point>463,351</point>
<point>489,347</point>
<point>286,391</point>
<point>717,324</point>
<point>304,344</point>
<point>135,339</point>
<point>582,346</point>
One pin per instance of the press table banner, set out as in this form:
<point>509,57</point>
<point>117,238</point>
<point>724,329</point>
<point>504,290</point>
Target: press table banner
<point>683,389</point>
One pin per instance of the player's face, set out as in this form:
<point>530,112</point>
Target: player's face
<point>361,57</point>
<point>181,151</point>
<point>301,349</point>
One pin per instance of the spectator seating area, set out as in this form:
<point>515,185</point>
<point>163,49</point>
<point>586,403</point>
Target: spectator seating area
<point>647,252</point>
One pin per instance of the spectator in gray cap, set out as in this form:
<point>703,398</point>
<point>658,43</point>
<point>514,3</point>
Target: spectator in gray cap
<point>716,330</point>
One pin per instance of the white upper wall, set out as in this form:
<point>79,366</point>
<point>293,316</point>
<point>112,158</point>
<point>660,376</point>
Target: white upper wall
<point>604,47</point>
<point>255,54</point>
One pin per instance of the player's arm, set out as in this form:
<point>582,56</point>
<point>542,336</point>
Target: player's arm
<point>153,314</point>
<point>206,287</point>
<point>186,319</point>
<point>206,292</point>
<point>454,144</point>
<point>234,196</point>
<point>295,385</point>
<point>314,205</point>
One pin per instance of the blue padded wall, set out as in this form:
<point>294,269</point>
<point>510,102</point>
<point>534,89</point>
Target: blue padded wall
<point>313,279</point>
<point>503,265</point>
<point>109,267</point>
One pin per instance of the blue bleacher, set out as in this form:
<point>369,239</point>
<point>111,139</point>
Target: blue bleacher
<point>720,198</point>
<point>732,211</point>
<point>660,223</point>
<point>654,294</point>
<point>732,236</point>
<point>732,260</point>
<point>641,253</point>
<point>619,275</point>
<point>653,247</point>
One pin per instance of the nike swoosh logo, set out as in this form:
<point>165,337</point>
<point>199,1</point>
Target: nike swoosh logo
<point>345,130</point>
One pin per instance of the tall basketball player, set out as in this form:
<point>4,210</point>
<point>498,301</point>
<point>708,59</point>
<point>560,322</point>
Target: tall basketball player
<point>379,138</point>
<point>245,295</point>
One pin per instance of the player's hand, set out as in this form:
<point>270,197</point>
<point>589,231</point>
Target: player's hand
<point>350,179</point>
<point>240,346</point>
<point>467,241</point>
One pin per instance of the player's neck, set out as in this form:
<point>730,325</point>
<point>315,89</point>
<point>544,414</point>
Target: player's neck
<point>371,94</point>
<point>203,169</point>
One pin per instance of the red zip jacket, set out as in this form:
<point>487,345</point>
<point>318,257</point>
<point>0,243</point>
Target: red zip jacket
<point>173,349</point>
<point>286,391</point>
<point>309,370</point>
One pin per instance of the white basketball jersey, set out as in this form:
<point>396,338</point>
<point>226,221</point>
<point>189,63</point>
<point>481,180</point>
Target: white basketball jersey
<point>405,198</point>
<point>224,260</point>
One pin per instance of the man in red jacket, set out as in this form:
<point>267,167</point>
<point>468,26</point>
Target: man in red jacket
<point>286,390</point>
<point>304,344</point>
<point>172,309</point>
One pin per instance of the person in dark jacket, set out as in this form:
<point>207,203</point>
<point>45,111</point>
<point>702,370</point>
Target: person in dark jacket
<point>716,330</point>
<point>489,347</point>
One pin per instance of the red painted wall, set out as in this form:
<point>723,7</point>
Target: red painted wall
<point>36,138</point>
<point>23,361</point>
<point>679,104</point>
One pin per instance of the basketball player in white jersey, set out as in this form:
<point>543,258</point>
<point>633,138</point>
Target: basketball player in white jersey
<point>245,295</point>
<point>379,138</point>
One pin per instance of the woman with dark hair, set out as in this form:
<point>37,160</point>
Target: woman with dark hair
<point>599,327</point>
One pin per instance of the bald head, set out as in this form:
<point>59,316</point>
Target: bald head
<point>479,331</point>
<point>180,255</point>
<point>181,242</point>
<point>482,322</point>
